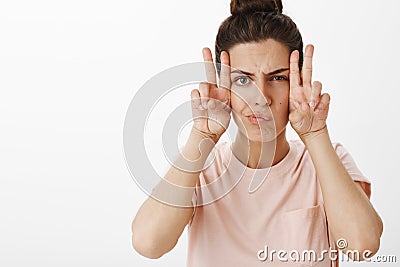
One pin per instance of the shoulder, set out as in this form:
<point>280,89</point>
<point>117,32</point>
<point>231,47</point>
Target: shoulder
<point>346,159</point>
<point>302,158</point>
<point>301,149</point>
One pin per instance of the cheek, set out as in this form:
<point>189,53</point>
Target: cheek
<point>283,100</point>
<point>237,103</point>
<point>281,109</point>
<point>283,104</point>
<point>242,98</point>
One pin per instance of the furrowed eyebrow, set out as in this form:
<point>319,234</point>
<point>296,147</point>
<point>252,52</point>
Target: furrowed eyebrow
<point>252,74</point>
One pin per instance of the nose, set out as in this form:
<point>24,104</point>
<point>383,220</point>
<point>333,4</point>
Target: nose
<point>262,98</point>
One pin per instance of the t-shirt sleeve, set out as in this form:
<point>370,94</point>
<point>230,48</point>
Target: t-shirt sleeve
<point>194,200</point>
<point>352,169</point>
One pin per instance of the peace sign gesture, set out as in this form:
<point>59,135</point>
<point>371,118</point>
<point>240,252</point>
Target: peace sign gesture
<point>308,109</point>
<point>211,102</point>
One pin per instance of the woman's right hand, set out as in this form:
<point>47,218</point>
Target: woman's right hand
<point>211,102</point>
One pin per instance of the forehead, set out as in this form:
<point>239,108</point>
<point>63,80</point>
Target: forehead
<point>259,56</point>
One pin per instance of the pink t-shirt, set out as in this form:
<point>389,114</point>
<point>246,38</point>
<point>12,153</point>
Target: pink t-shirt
<point>286,212</point>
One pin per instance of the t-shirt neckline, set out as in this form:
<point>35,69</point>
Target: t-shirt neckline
<point>282,166</point>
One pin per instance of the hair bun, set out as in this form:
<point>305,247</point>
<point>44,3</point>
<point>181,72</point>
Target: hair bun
<point>251,6</point>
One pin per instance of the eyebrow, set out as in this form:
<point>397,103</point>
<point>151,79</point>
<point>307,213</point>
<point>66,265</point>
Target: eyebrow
<point>252,74</point>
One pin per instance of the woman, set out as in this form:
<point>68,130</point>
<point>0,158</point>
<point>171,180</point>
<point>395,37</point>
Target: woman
<point>269,193</point>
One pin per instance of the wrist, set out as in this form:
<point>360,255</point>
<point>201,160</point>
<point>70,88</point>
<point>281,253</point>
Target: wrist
<point>200,136</point>
<point>198,146</point>
<point>313,137</point>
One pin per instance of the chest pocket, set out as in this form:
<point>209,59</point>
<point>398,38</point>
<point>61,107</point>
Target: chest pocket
<point>304,232</point>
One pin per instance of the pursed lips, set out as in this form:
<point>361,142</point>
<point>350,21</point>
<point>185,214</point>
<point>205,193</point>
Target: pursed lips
<point>258,117</point>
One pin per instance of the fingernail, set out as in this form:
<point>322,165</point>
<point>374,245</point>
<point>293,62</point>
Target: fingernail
<point>312,104</point>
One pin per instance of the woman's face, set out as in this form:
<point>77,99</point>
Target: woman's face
<point>260,89</point>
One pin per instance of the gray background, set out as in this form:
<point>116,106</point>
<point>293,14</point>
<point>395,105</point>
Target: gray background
<point>69,69</point>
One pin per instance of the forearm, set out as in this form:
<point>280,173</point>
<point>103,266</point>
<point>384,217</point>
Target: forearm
<point>163,216</point>
<point>349,211</point>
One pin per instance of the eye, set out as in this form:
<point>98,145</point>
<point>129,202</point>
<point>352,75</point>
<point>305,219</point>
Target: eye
<point>279,78</point>
<point>242,80</point>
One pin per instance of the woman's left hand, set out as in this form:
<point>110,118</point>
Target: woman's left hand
<point>308,109</point>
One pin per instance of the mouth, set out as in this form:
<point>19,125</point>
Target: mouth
<point>258,118</point>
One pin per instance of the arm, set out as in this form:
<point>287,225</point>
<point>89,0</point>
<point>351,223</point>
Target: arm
<point>349,212</point>
<point>158,226</point>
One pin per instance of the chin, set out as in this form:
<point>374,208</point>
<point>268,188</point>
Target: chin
<point>266,135</point>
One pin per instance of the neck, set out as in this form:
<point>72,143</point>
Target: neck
<point>259,155</point>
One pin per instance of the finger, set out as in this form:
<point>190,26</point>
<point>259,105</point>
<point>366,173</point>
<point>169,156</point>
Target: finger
<point>306,72</point>
<point>195,99</point>
<point>225,75</point>
<point>217,114</point>
<point>296,91</point>
<point>199,115</point>
<point>293,104</point>
<point>204,89</point>
<point>323,105</point>
<point>294,70</point>
<point>211,104</point>
<point>315,94</point>
<point>216,105</point>
<point>209,66</point>
<point>222,92</point>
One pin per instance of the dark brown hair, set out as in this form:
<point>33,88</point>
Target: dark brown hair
<point>257,20</point>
